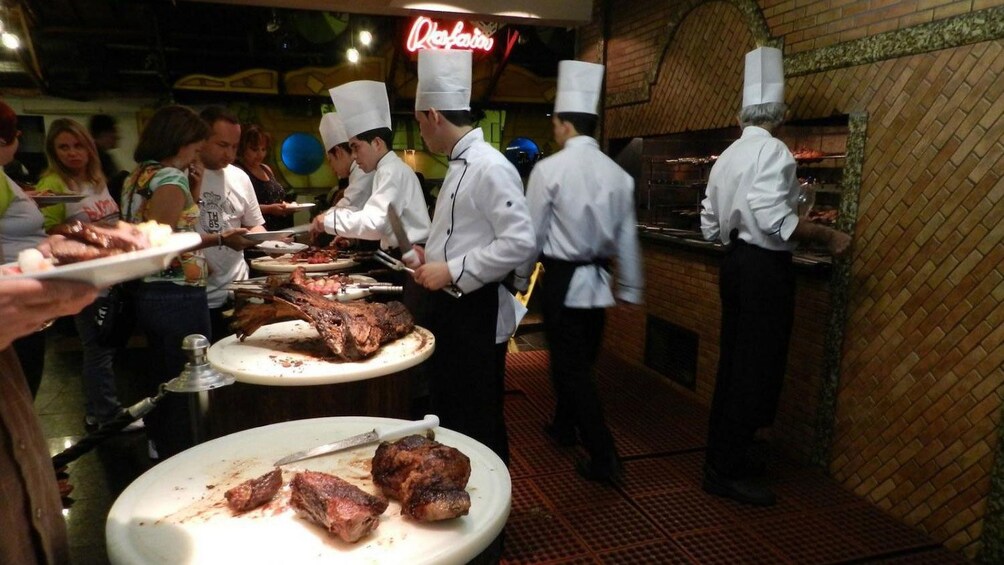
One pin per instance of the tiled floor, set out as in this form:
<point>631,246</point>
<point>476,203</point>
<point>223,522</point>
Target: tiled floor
<point>659,514</point>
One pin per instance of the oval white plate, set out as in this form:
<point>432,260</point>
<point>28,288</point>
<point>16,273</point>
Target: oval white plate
<point>269,235</point>
<point>280,247</point>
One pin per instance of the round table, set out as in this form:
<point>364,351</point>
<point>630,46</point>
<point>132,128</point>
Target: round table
<point>176,511</point>
<point>282,376</point>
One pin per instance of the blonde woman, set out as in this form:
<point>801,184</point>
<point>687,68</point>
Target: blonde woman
<point>75,168</point>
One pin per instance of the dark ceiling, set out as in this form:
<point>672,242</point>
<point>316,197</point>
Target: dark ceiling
<point>87,49</point>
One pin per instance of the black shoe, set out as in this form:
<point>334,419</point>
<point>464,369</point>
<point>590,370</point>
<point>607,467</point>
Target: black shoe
<point>565,437</point>
<point>608,472</point>
<point>740,490</point>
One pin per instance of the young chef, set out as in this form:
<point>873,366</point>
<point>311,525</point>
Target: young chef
<point>481,232</point>
<point>751,206</point>
<point>582,205</point>
<point>365,113</point>
<point>336,143</point>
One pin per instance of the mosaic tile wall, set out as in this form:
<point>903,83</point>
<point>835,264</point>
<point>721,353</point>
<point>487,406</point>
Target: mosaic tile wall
<point>920,394</point>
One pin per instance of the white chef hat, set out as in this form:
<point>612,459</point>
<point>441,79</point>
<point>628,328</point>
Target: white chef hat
<point>580,85</point>
<point>332,131</point>
<point>362,106</point>
<point>764,80</point>
<point>444,80</point>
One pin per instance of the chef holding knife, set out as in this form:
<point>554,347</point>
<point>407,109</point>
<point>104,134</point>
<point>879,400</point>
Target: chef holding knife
<point>481,232</point>
<point>751,206</point>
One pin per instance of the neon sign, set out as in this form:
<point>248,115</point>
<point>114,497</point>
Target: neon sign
<point>426,34</point>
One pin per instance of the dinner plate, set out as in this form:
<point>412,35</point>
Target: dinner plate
<point>45,198</point>
<point>107,271</point>
<point>280,247</point>
<point>282,264</point>
<point>292,354</point>
<point>269,235</point>
<point>176,511</point>
<point>299,205</point>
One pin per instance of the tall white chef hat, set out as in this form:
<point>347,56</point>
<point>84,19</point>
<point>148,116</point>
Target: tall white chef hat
<point>362,106</point>
<point>444,80</point>
<point>764,80</point>
<point>332,131</point>
<point>580,85</point>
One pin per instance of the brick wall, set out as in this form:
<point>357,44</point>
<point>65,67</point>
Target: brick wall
<point>921,376</point>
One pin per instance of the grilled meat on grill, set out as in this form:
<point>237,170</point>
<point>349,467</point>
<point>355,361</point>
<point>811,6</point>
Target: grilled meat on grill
<point>338,506</point>
<point>428,477</point>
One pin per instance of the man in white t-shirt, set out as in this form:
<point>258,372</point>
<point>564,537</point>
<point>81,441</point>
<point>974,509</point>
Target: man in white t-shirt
<point>226,201</point>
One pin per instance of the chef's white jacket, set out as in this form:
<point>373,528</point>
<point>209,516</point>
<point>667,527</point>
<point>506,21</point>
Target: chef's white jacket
<point>393,182</point>
<point>752,187</point>
<point>582,205</point>
<point>359,189</point>
<point>482,226</point>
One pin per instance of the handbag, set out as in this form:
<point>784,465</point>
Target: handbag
<point>115,317</point>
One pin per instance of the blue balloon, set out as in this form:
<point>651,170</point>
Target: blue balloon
<point>302,153</point>
<point>524,153</point>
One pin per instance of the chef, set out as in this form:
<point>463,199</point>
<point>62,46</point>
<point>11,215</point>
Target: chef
<point>365,113</point>
<point>582,205</point>
<point>751,206</point>
<point>336,143</point>
<point>481,232</point>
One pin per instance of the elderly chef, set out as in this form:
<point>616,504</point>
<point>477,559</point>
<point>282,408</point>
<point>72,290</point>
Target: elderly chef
<point>582,205</point>
<point>365,113</point>
<point>481,232</point>
<point>336,143</point>
<point>751,206</point>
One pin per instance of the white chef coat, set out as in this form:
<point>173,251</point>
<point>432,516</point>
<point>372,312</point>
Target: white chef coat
<point>482,226</point>
<point>752,187</point>
<point>393,183</point>
<point>358,191</point>
<point>582,205</point>
<point>228,201</point>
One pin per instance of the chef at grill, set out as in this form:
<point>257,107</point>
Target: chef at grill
<point>481,232</point>
<point>336,143</point>
<point>582,205</point>
<point>751,206</point>
<point>365,113</point>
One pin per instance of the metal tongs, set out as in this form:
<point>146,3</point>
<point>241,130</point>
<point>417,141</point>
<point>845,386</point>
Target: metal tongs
<point>397,265</point>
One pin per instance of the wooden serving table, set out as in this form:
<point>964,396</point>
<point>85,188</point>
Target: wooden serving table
<point>284,373</point>
<point>176,511</point>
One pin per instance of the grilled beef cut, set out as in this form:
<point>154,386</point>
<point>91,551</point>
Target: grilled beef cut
<point>352,331</point>
<point>254,492</point>
<point>338,506</point>
<point>80,242</point>
<point>427,477</point>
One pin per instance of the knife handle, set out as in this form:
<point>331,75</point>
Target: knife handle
<point>430,421</point>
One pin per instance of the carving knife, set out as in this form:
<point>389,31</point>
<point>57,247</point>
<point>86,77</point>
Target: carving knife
<point>430,421</point>
<point>408,254</point>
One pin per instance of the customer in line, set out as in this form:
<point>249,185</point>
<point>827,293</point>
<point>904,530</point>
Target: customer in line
<point>271,195</point>
<point>582,205</point>
<point>75,169</point>
<point>752,207</point>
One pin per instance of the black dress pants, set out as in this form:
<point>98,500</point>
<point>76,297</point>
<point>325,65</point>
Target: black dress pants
<point>757,288</point>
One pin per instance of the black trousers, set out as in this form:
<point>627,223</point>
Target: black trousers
<point>757,288</point>
<point>466,385</point>
<point>574,336</point>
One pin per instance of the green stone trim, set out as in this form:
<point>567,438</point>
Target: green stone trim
<point>840,279</point>
<point>676,13</point>
<point>965,29</point>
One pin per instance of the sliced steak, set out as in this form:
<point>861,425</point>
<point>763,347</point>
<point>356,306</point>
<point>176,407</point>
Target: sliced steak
<point>254,492</point>
<point>427,477</point>
<point>336,505</point>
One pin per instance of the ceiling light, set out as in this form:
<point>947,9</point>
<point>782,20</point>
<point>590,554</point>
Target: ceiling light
<point>9,40</point>
<point>365,37</point>
<point>353,55</point>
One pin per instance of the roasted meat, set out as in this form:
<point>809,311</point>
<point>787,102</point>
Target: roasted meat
<point>78,241</point>
<point>427,477</point>
<point>340,507</point>
<point>254,492</point>
<point>352,331</point>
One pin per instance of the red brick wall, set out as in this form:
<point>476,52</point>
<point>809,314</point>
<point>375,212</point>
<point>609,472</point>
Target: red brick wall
<point>921,377</point>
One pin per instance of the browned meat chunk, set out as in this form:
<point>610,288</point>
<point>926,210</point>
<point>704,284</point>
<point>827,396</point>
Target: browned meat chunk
<point>340,507</point>
<point>428,477</point>
<point>89,241</point>
<point>351,331</point>
<point>253,493</point>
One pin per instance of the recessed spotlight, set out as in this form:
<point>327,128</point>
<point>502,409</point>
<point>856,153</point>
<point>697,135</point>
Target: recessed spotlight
<point>9,40</point>
<point>365,37</point>
<point>352,54</point>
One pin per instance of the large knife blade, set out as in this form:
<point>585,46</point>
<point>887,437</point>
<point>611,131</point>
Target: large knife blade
<point>430,421</point>
<point>408,254</point>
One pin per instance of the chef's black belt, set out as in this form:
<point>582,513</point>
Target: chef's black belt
<point>604,263</point>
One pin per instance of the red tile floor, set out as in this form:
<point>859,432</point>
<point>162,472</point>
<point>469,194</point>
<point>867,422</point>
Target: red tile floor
<point>660,514</point>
